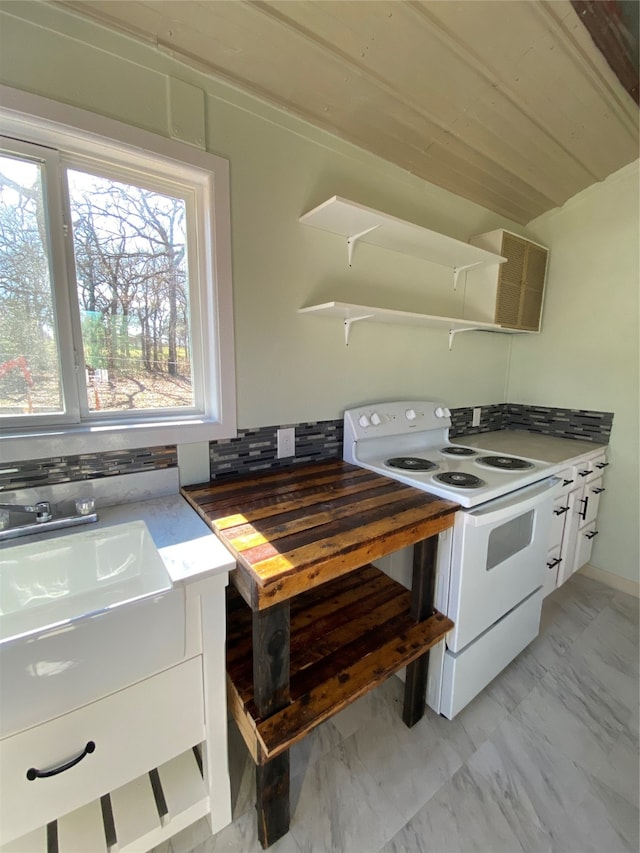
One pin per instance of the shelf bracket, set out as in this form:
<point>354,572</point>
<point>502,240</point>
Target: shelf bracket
<point>348,322</point>
<point>456,275</point>
<point>454,332</point>
<point>351,241</point>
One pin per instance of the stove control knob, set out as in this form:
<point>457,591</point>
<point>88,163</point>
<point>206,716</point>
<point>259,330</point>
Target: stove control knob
<point>376,420</point>
<point>439,412</point>
<point>363,420</point>
<point>410,414</point>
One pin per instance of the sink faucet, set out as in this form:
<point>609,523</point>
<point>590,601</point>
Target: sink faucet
<point>44,520</point>
<point>42,509</point>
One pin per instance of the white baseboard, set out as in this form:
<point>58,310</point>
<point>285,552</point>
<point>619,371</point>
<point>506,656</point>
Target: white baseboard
<point>616,581</point>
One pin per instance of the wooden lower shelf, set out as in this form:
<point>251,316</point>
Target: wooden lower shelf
<point>347,636</point>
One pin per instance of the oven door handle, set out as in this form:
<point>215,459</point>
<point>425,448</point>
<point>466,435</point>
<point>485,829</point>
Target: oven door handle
<point>514,505</point>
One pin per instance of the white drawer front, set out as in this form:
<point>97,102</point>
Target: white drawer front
<point>467,673</point>
<point>589,471</point>
<point>567,479</point>
<point>134,731</point>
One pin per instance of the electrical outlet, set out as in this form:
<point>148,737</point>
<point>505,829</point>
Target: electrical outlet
<point>477,412</point>
<point>286,442</point>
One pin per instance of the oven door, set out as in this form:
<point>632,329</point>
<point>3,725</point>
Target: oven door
<point>498,559</point>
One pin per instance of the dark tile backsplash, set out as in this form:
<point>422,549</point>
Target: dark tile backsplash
<point>491,418</point>
<point>256,449</point>
<point>563,423</point>
<point>87,466</point>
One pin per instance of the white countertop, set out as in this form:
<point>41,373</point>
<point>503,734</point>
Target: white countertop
<point>531,445</point>
<point>189,550</point>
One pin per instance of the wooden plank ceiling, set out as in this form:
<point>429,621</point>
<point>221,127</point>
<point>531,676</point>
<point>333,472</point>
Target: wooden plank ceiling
<point>508,104</point>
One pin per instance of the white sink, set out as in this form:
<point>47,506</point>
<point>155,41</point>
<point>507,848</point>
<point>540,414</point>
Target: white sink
<point>56,581</point>
<point>82,615</point>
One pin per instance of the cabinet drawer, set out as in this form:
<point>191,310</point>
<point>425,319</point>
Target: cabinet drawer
<point>134,730</point>
<point>567,479</point>
<point>592,470</point>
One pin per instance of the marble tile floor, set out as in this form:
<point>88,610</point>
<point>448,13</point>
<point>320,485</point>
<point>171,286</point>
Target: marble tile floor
<point>545,759</point>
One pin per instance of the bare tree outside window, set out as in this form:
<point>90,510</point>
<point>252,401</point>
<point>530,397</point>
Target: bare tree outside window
<point>130,248</point>
<point>29,361</point>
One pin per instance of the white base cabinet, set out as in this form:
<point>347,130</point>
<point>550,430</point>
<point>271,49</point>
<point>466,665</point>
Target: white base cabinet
<point>574,522</point>
<point>158,761</point>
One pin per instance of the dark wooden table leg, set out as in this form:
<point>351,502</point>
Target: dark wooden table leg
<point>422,595</point>
<point>272,799</point>
<point>271,637</point>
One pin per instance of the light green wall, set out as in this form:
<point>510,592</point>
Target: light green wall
<point>587,354</point>
<point>293,368</point>
<point>290,368</point>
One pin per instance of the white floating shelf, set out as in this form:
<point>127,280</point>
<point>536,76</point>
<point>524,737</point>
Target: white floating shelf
<point>358,223</point>
<point>351,313</point>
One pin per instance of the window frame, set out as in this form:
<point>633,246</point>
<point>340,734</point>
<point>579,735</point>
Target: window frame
<point>82,137</point>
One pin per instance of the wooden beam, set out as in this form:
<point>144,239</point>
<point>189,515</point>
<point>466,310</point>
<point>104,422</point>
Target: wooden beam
<point>615,34</point>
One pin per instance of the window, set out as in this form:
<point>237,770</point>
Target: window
<point>115,302</point>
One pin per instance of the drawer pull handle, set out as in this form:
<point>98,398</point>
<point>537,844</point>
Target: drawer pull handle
<point>560,510</point>
<point>567,482</point>
<point>34,773</point>
<point>599,491</point>
<point>584,473</point>
<point>601,464</point>
<point>553,563</point>
<point>591,534</point>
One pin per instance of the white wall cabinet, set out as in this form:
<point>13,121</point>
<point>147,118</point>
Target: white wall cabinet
<point>573,526</point>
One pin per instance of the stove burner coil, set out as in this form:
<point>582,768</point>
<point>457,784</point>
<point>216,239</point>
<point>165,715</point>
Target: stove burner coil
<point>410,463</point>
<point>456,450</point>
<point>504,463</point>
<point>459,479</point>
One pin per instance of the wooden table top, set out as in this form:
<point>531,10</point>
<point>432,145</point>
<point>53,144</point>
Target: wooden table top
<point>298,527</point>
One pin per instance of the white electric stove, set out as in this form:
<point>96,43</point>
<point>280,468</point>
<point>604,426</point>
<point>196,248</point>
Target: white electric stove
<point>409,441</point>
<point>491,564</point>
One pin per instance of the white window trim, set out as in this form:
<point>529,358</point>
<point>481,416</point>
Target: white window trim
<point>21,111</point>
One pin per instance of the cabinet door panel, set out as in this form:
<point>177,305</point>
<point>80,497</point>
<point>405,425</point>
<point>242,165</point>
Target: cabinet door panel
<point>584,545</point>
<point>508,304</point>
<point>530,309</point>
<point>592,492</point>
<point>536,267</point>
<point>514,249</point>
<point>558,516</point>
<point>552,569</point>
<point>569,537</point>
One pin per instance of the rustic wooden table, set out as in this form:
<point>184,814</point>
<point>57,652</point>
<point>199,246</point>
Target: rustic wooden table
<point>311,624</point>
